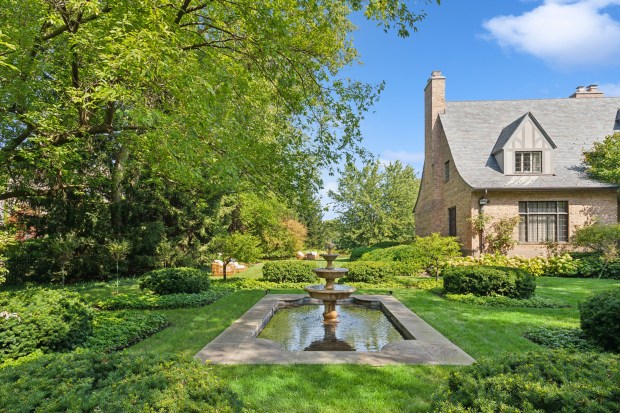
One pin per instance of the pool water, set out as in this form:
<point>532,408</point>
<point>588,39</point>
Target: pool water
<point>301,328</point>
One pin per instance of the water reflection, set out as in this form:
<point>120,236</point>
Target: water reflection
<point>302,328</point>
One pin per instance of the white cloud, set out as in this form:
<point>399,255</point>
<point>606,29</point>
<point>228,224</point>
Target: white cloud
<point>610,89</point>
<point>562,32</point>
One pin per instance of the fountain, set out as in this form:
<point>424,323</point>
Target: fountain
<point>330,293</point>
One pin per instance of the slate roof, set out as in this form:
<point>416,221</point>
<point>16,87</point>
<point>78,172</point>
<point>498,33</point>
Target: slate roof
<point>509,130</point>
<point>473,129</point>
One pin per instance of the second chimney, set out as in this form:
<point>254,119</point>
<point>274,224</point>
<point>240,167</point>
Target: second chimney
<point>590,91</point>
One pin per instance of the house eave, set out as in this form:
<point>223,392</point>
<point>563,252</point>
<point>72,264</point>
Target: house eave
<point>549,188</point>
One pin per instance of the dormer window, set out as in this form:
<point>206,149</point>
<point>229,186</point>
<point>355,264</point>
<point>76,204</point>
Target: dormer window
<point>528,162</point>
<point>523,147</point>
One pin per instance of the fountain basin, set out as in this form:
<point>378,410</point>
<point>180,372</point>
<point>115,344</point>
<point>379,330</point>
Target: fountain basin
<point>332,273</point>
<point>239,343</point>
<point>339,292</point>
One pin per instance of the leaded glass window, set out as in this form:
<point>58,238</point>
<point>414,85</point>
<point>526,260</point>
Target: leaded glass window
<point>543,221</point>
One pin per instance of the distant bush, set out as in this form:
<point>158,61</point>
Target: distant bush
<point>369,272</point>
<point>406,268</point>
<point>89,381</point>
<point>542,381</point>
<point>161,302</point>
<point>358,252</point>
<point>600,319</point>
<point>485,281</point>
<point>289,271</point>
<point>417,257</point>
<point>120,329</point>
<point>175,281</point>
<point>48,320</point>
<point>396,253</point>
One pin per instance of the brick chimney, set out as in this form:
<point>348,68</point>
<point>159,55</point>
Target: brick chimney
<point>591,91</point>
<point>434,104</point>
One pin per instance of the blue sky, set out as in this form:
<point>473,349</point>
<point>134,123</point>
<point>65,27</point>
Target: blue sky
<point>488,50</point>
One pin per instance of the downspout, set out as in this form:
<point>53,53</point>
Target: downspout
<point>481,204</point>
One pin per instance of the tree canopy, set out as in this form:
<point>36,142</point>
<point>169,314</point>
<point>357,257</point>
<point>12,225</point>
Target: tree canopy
<point>603,160</point>
<point>133,117</point>
<point>375,203</point>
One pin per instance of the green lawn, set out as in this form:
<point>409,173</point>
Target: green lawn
<point>483,332</point>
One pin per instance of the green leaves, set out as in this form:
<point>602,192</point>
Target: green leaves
<point>603,160</point>
<point>376,203</point>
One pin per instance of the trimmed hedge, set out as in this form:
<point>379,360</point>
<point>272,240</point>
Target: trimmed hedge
<point>48,320</point>
<point>289,272</point>
<point>88,381</point>
<point>369,272</point>
<point>358,252</point>
<point>488,281</point>
<point>546,381</point>
<point>160,302</point>
<point>600,319</point>
<point>175,281</point>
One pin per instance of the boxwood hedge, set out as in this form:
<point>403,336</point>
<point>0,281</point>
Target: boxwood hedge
<point>600,319</point>
<point>175,281</point>
<point>485,281</point>
<point>289,271</point>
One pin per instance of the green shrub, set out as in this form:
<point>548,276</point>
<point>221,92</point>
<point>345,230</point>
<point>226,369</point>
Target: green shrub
<point>561,337</point>
<point>88,381</point>
<point>358,252</point>
<point>49,320</point>
<point>120,329</point>
<point>600,319</point>
<point>175,281</point>
<point>408,259</point>
<point>396,253</point>
<point>501,301</point>
<point>289,272</point>
<point>485,281</point>
<point>160,302</point>
<point>369,272</point>
<point>407,268</point>
<point>547,381</point>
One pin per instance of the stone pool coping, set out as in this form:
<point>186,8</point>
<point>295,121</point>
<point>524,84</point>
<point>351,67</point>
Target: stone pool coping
<point>238,344</point>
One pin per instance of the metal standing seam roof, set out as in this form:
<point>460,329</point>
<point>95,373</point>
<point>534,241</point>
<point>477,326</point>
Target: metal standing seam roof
<point>474,128</point>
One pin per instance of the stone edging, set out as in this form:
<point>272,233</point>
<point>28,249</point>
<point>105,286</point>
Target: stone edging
<point>238,343</point>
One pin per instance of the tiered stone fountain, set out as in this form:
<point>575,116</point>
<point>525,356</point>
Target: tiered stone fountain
<point>330,292</point>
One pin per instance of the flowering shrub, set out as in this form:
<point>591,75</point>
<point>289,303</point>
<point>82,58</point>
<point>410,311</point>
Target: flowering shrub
<point>557,266</point>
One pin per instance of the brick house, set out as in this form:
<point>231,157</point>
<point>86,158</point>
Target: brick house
<point>513,158</point>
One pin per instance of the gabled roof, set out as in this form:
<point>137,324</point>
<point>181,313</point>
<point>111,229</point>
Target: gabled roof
<point>472,130</point>
<point>510,130</point>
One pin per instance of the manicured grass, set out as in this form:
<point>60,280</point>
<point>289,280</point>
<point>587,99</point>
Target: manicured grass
<point>334,388</point>
<point>193,328</point>
<point>483,332</point>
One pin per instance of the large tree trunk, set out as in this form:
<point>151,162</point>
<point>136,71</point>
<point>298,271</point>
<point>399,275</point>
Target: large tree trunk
<point>117,188</point>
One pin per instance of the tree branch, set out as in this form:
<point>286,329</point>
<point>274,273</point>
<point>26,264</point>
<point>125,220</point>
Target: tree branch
<point>182,11</point>
<point>60,30</point>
